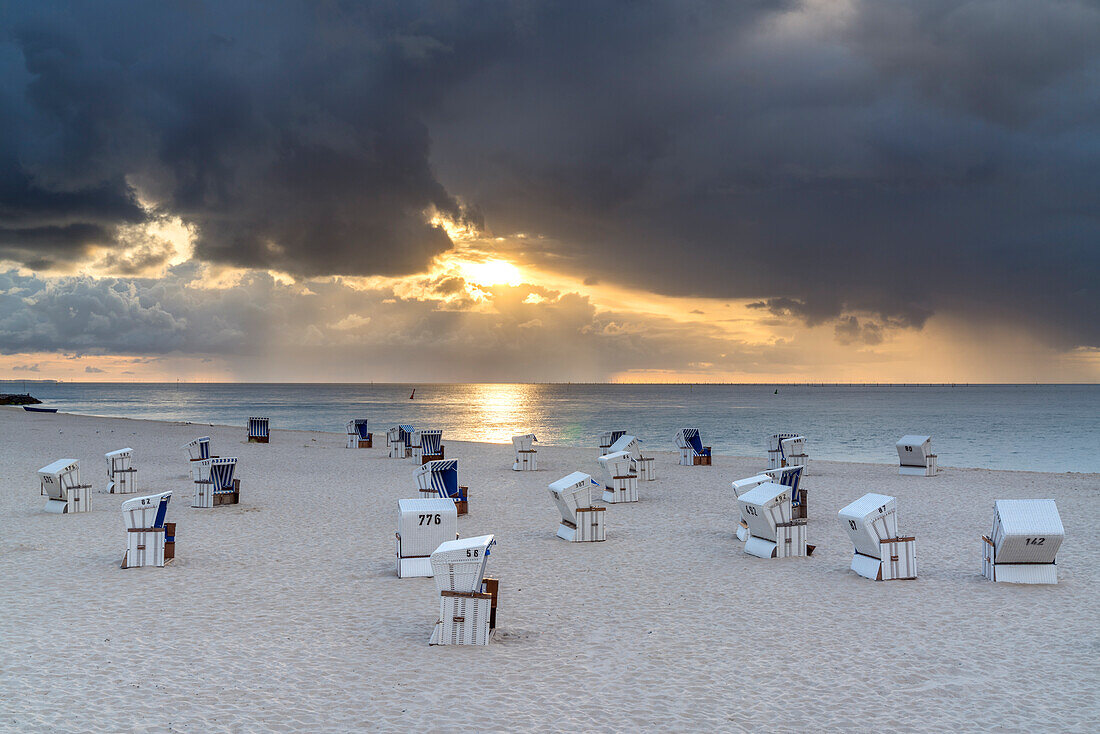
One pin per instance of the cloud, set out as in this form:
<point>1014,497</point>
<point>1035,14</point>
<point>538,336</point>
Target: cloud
<point>878,161</point>
<point>93,370</point>
<point>25,368</point>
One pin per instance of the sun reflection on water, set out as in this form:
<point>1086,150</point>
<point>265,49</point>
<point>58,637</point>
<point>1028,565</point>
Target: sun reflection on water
<point>498,412</point>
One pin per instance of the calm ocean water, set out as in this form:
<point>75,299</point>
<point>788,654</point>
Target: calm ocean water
<point>1033,427</point>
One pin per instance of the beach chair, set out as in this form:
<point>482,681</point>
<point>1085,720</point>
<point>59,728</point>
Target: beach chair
<point>399,441</point>
<point>915,457</point>
<point>880,554</point>
<point>150,541</point>
<point>526,455</point>
<point>741,486</point>
<point>440,479</point>
<point>358,435</point>
<point>258,430</point>
<point>773,531</point>
<point>643,466</point>
<point>422,524</point>
<point>121,476</point>
<point>427,446</point>
<point>776,457</point>
<point>791,476</point>
<point>60,482</point>
<point>217,486</point>
<point>197,450</point>
<point>692,450</point>
<point>620,481</point>
<point>467,599</point>
<point>793,453</point>
<point>607,439</point>
<point>580,519</point>
<point>1021,547</point>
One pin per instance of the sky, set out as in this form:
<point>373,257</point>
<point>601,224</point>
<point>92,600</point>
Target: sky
<point>759,191</point>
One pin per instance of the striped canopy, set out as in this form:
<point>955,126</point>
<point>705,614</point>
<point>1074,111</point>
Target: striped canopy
<point>430,441</point>
<point>257,427</point>
<point>445,479</point>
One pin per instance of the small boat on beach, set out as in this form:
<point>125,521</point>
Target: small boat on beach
<point>32,409</point>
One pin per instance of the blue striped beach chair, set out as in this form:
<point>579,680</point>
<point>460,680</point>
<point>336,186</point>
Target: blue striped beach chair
<point>399,440</point>
<point>218,486</point>
<point>358,435</point>
<point>429,447</point>
<point>692,450</point>
<point>439,478</point>
<point>257,430</point>
<point>791,476</point>
<point>150,541</point>
<point>608,439</point>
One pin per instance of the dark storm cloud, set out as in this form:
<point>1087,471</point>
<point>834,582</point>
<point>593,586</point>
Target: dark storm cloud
<point>879,161</point>
<point>291,135</point>
<point>897,159</point>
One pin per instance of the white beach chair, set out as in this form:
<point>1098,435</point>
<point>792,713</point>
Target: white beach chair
<point>791,476</point>
<point>421,526</point>
<point>643,466</point>
<point>526,455</point>
<point>740,487</point>
<point>440,479</point>
<point>428,446</point>
<point>60,482</point>
<point>358,435</point>
<point>776,456</point>
<point>915,457</point>
<point>580,519</point>
<point>467,600</point>
<point>258,430</point>
<point>1025,539</point>
<point>150,541</point>
<point>607,439</point>
<point>793,452</point>
<point>692,450</point>
<point>121,475</point>
<point>620,481</point>
<point>399,441</point>
<point>880,554</point>
<point>218,485</point>
<point>773,532</point>
<point>197,450</point>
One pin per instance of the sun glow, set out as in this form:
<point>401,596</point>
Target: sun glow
<point>490,272</point>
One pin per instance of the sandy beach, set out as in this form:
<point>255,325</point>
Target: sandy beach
<point>283,613</point>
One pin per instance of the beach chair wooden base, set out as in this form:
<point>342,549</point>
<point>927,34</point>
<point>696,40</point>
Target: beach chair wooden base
<point>646,468</point>
<point>463,619</point>
<point>1015,573</point>
<point>930,469</point>
<point>897,561</point>
<point>150,546</point>
<point>790,542</point>
<point>122,481</point>
<point>462,506</point>
<point>526,460</point>
<point>589,528</point>
<point>366,443</point>
<point>258,439</point>
<point>77,499</point>
<point>703,460</point>
<point>425,458</point>
<point>801,511</point>
<point>622,489</point>
<point>207,496</point>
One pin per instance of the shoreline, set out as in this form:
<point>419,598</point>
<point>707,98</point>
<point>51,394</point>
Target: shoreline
<point>737,457</point>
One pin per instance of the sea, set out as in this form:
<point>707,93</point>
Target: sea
<point>1049,428</point>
